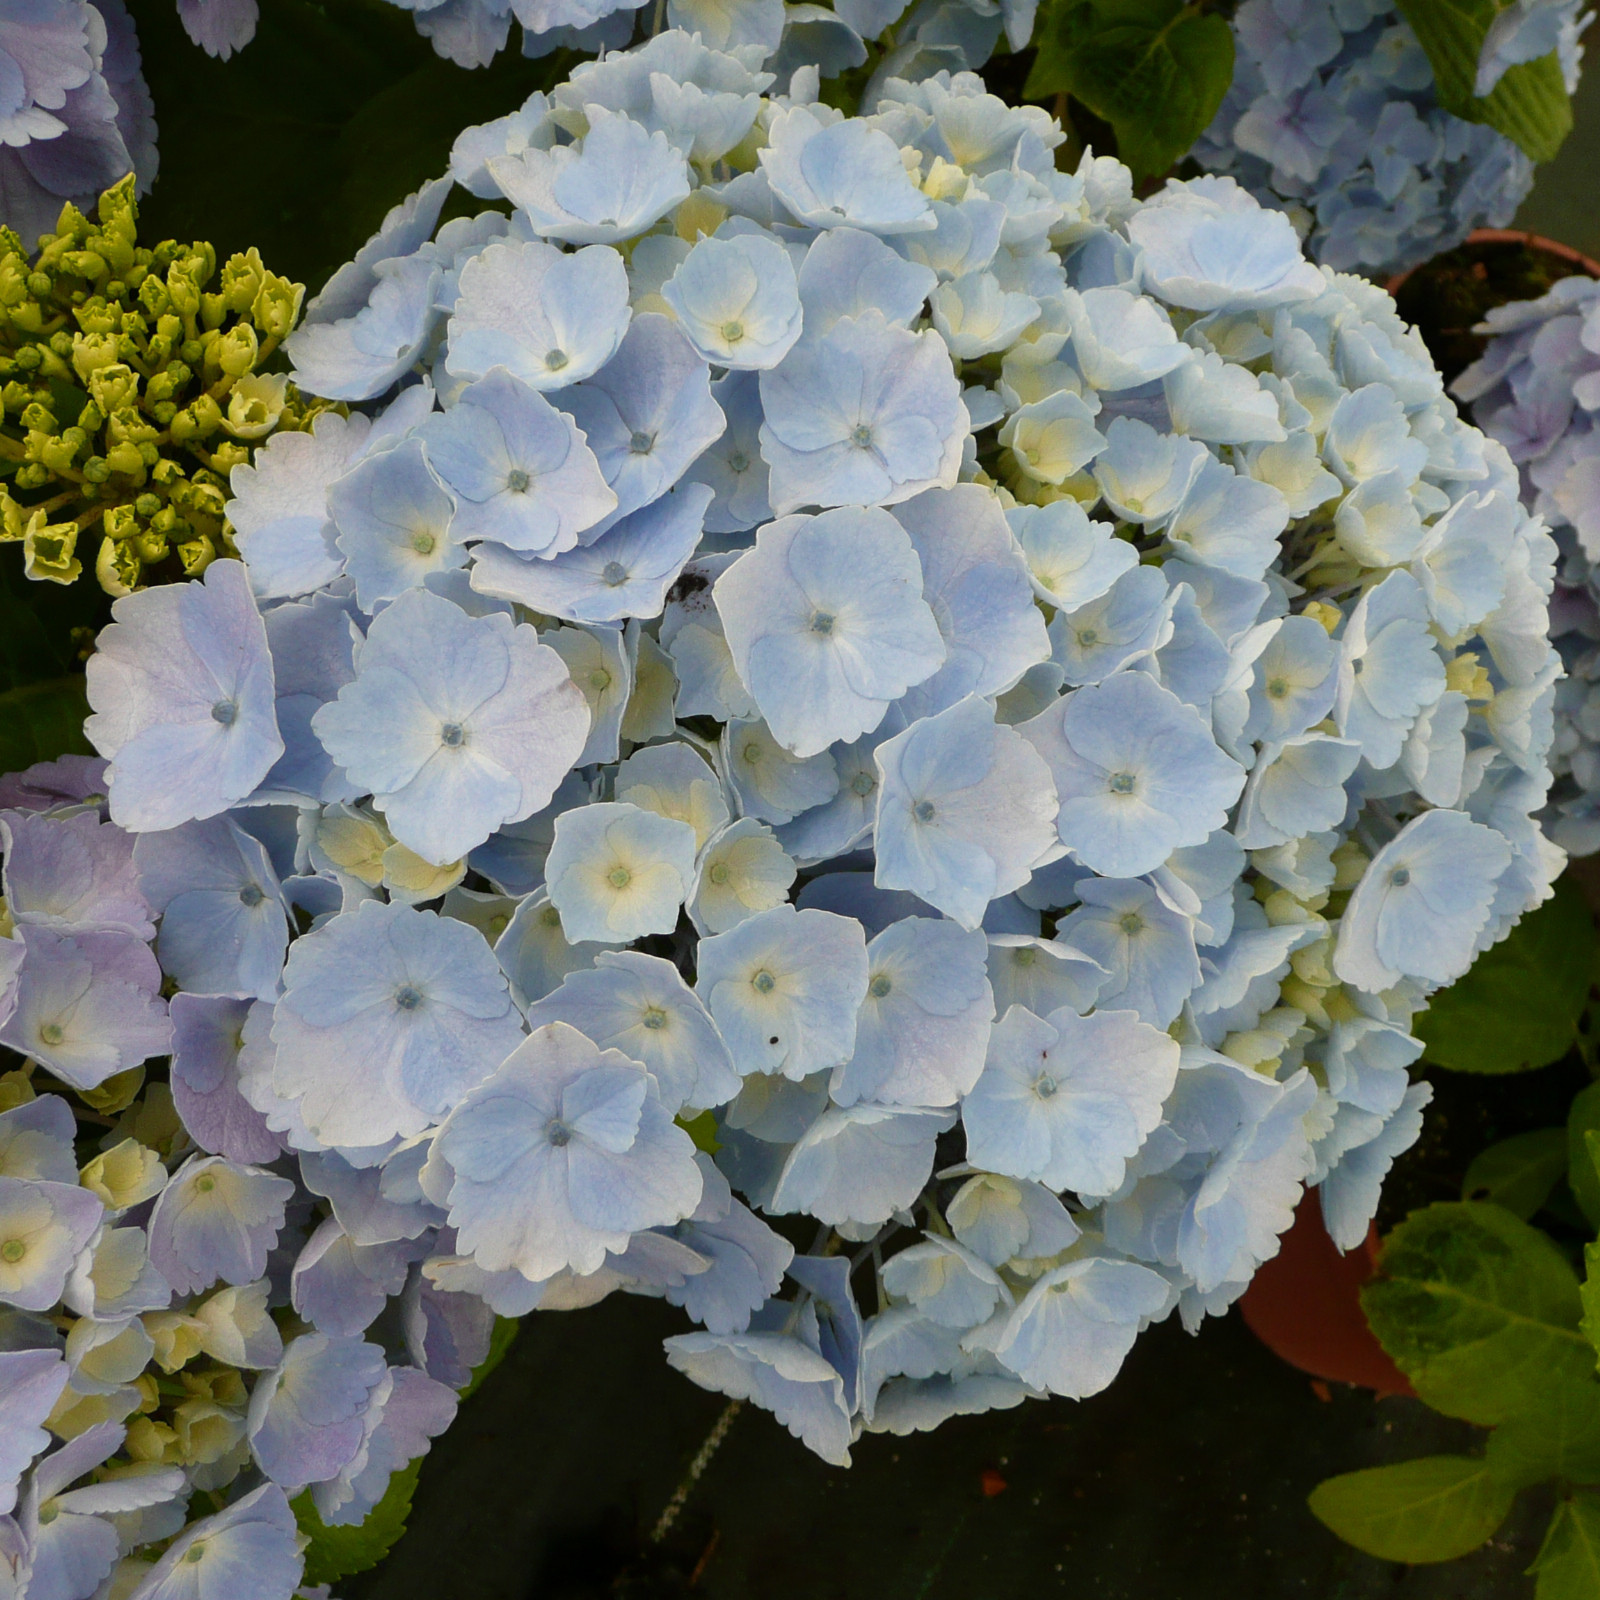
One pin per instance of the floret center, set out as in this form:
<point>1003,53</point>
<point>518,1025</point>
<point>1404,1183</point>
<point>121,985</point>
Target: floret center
<point>204,1185</point>
<point>517,481</point>
<point>738,462</point>
<point>1045,1086</point>
<point>599,680</point>
<point>614,574</point>
<point>1400,877</point>
<point>763,982</point>
<point>1024,957</point>
<point>1132,923</point>
<point>12,1251</point>
<point>557,1132</point>
<point>1278,688</point>
<point>452,736</point>
<point>861,436</point>
<point>822,622</point>
<point>251,895</point>
<point>555,360</point>
<point>641,443</point>
<point>732,332</point>
<point>654,1018</point>
<point>407,998</point>
<point>863,784</point>
<point>52,1033</point>
<point>924,811</point>
<point>619,877</point>
<point>718,872</point>
<point>224,711</point>
<point>1122,783</point>
<point>423,543</point>
<point>880,986</point>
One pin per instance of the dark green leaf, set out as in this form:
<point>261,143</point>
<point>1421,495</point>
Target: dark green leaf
<point>1529,105</point>
<point>1156,70</point>
<point>501,1339</point>
<point>1518,1007</point>
<point>42,721</point>
<point>1568,1563</point>
<point>1583,1125</point>
<point>1479,1310</point>
<point>1518,1173</point>
<point>1590,1295</point>
<point>336,1553</point>
<point>1557,1436</point>
<point>37,621</point>
<point>1433,1509</point>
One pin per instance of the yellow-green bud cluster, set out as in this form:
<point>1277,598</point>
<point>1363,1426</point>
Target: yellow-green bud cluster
<point>132,381</point>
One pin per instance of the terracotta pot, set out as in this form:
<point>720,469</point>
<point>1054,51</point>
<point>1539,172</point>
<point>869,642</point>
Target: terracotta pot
<point>1533,241</point>
<point>1305,1306</point>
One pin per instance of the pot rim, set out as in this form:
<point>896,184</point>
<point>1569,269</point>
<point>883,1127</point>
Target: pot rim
<point>1534,241</point>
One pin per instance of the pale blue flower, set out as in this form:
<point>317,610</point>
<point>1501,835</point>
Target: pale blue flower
<point>360,355</point>
<point>1296,788</point>
<point>1144,475</point>
<point>1076,1326</point>
<point>393,517</point>
<point>1462,560</point>
<point>216,1219</point>
<point>70,873</point>
<point>1005,1219</point>
<point>978,591</point>
<point>456,724</point>
<point>617,872</point>
<point>85,1006</point>
<point>1221,402</point>
<point>976,317</point>
<point>519,470</point>
<point>845,820</point>
<point>339,1286</point>
<point>784,988</point>
<point>1296,677</point>
<point>781,1374</point>
<point>33,1381</point>
<point>182,693</point>
<point>847,273</point>
<point>1146,948</point>
<point>248,1551</point>
<point>638,1004</point>
<point>1389,668</point>
<point>770,782</point>
<point>728,24</point>
<point>1054,438</point>
<point>52,1222</point>
<point>534,953</point>
<point>561,1155</point>
<point>647,414</point>
<point>36,1140</point>
<point>742,871</point>
<point>1209,246</point>
<point>1099,638</point>
<point>1041,974</point>
<point>598,662</point>
<point>737,300</point>
<point>965,811</point>
<point>858,1165</point>
<point>548,317</point>
<point>748,1260</point>
<point>1121,340</point>
<point>388,1017</point>
<point>1137,773</point>
<point>924,1025</point>
<point>864,414</point>
<point>613,186</point>
<point>1421,903</point>
<point>308,1416</point>
<point>827,624</point>
<point>841,175</point>
<point>1070,559</point>
<point>675,780</point>
<point>313,646</point>
<point>732,466</point>
<point>1349,1194</point>
<point>224,929</point>
<point>964,241</point>
<point>206,1039</point>
<point>626,572</point>
<point>948,1284</point>
<point>1068,1100</point>
<point>369,1201</point>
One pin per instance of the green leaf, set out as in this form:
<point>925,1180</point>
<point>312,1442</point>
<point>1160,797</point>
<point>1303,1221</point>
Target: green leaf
<point>1590,1295</point>
<point>1433,1509</point>
<point>42,721</point>
<point>1518,1008</point>
<point>1557,1436</point>
<point>1568,1563</point>
<point>336,1553</point>
<point>1529,105</point>
<point>1583,1127</point>
<point>1156,70</point>
<point>1518,1173</point>
<point>1478,1309</point>
<point>501,1339</point>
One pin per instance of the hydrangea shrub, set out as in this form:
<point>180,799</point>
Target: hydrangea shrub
<point>854,731</point>
<point>1536,390</point>
<point>1336,117</point>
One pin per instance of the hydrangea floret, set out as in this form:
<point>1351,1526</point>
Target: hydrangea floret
<point>938,921</point>
<point>1333,116</point>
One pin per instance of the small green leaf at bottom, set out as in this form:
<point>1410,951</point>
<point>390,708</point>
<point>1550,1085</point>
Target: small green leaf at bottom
<point>1568,1563</point>
<point>1433,1509</point>
<point>336,1553</point>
